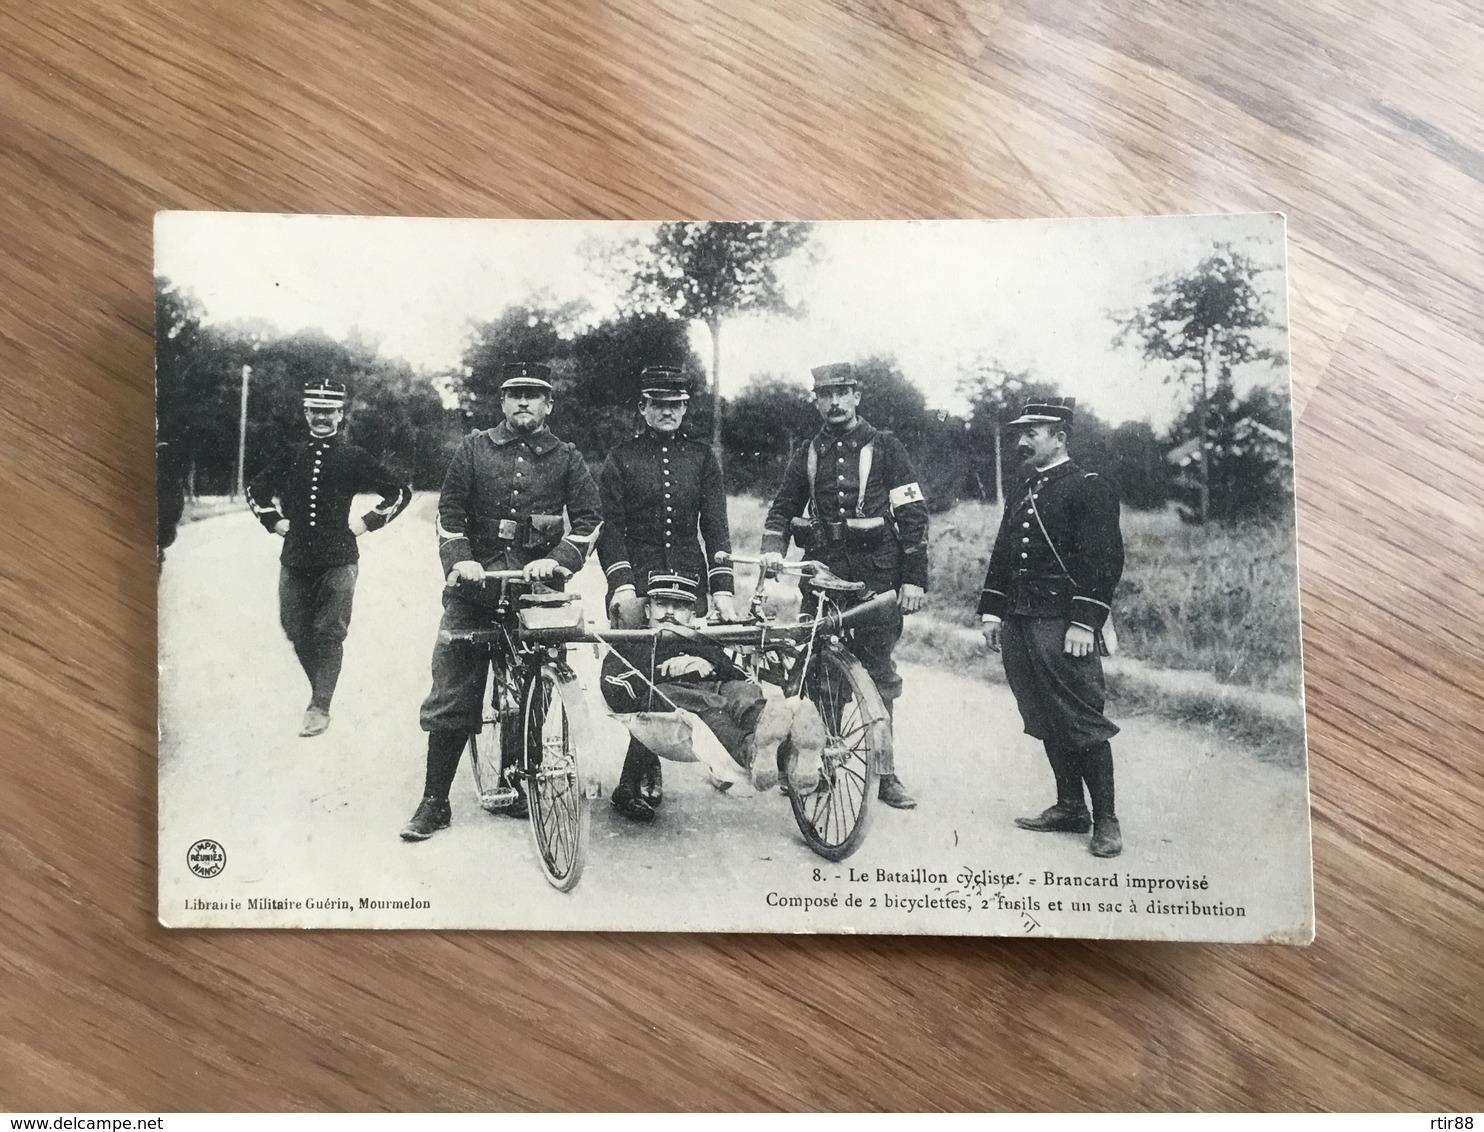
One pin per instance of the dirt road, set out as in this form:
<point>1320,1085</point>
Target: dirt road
<point>305,821</point>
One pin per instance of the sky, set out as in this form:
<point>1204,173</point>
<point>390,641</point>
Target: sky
<point>939,296</point>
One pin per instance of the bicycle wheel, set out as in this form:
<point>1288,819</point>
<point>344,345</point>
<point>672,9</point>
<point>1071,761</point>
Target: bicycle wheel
<point>556,732</point>
<point>833,820</point>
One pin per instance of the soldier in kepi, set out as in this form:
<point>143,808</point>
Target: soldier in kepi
<point>851,500</point>
<point>304,497</point>
<point>663,499</point>
<point>1045,605</point>
<point>500,509</point>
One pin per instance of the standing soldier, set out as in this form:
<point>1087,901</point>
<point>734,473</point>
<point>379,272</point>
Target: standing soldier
<point>663,499</point>
<point>851,500</point>
<point>500,509</point>
<point>304,497</point>
<point>1045,604</point>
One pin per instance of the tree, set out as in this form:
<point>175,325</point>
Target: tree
<point>765,424</point>
<point>710,271</point>
<point>889,400</point>
<point>1203,323</point>
<point>1247,456</point>
<point>1143,476</point>
<point>596,410</point>
<point>525,332</point>
<point>996,393</point>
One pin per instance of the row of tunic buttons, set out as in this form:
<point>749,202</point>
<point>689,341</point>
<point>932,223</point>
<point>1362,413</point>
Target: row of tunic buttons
<point>669,508</point>
<point>840,477</point>
<point>319,452</point>
<point>1025,539</point>
<point>515,490</point>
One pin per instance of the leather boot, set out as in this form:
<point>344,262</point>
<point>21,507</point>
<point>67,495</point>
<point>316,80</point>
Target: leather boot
<point>627,798</point>
<point>1107,837</point>
<point>432,815</point>
<point>891,791</point>
<point>1058,819</point>
<point>1097,771</point>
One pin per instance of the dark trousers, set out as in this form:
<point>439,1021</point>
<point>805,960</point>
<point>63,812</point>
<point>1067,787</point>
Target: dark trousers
<point>872,645</point>
<point>460,672</point>
<point>1060,697</point>
<point>1061,700</point>
<point>314,610</point>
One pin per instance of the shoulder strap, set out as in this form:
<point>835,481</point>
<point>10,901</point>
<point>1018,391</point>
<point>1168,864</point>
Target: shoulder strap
<point>868,452</point>
<point>812,463</point>
<point>1036,511</point>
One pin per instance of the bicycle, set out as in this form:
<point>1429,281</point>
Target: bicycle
<point>534,759</point>
<point>809,658</point>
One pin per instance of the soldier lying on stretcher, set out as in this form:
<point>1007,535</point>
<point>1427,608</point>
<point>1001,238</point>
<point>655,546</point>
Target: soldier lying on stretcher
<point>682,698</point>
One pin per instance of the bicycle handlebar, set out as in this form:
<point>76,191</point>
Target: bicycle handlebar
<point>505,576</point>
<point>754,634</point>
<point>806,567</point>
<point>747,633</point>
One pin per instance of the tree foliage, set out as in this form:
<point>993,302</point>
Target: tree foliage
<point>595,369</point>
<point>392,412</point>
<point>1201,324</point>
<point>711,271</point>
<point>1248,447</point>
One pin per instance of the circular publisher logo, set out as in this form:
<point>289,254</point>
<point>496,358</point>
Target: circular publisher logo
<point>206,858</point>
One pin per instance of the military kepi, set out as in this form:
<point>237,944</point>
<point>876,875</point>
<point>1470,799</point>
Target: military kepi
<point>526,375</point>
<point>664,383</point>
<point>324,395</point>
<point>834,375</point>
<point>1052,410</point>
<point>679,586</point>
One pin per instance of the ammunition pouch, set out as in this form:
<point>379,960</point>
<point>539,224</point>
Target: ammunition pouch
<point>856,534</point>
<point>806,533</point>
<point>545,532</point>
<point>864,534</point>
<point>535,532</point>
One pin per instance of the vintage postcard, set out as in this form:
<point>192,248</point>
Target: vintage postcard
<point>889,577</point>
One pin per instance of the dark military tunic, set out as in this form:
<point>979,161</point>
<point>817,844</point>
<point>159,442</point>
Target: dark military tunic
<point>312,485</point>
<point>892,493</point>
<point>659,490</point>
<point>503,499</point>
<point>1079,511</point>
<point>1060,697</point>
<point>502,505</point>
<point>899,552</point>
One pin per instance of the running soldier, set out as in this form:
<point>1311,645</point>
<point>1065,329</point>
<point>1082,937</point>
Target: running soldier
<point>304,497</point>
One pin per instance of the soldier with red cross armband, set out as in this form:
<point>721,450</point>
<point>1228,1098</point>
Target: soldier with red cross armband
<point>851,500</point>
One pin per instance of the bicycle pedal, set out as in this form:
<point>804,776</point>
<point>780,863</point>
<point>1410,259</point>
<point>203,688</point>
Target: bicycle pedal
<point>498,800</point>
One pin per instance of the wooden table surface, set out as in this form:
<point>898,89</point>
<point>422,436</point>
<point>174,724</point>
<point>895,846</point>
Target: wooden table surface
<point>1361,121</point>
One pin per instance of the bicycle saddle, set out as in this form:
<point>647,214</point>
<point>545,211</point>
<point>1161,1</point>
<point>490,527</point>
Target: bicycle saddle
<point>554,598</point>
<point>829,582</point>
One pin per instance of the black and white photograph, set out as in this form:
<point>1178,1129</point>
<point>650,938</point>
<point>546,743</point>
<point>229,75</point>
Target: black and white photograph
<point>907,577</point>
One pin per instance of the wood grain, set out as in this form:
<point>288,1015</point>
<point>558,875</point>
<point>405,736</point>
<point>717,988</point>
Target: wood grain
<point>1361,121</point>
